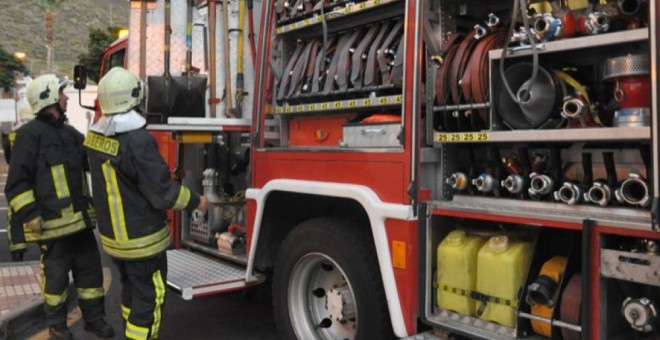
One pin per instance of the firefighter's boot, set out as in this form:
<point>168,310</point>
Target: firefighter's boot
<point>60,332</point>
<point>17,256</point>
<point>100,328</point>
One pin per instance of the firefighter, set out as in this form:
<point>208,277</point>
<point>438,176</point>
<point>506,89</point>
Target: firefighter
<point>17,245</point>
<point>46,193</point>
<point>133,190</point>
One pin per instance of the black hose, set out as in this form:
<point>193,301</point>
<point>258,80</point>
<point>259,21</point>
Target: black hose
<point>645,151</point>
<point>610,168</point>
<point>472,171</point>
<point>523,156</point>
<point>558,173</point>
<point>587,170</point>
<point>496,165</point>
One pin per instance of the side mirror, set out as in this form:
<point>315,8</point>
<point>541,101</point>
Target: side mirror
<point>79,77</point>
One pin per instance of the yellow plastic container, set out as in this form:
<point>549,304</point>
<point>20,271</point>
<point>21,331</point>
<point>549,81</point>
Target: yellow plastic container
<point>502,267</point>
<point>457,271</point>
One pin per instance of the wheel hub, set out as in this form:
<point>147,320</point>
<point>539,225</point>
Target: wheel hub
<point>340,305</point>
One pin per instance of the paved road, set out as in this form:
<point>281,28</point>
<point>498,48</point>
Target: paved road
<point>230,316</point>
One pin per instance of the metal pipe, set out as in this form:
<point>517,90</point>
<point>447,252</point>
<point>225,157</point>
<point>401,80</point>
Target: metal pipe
<point>553,322</point>
<point>213,100</point>
<point>461,107</point>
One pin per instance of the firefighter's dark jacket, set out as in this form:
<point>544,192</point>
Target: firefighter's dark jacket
<point>133,189</point>
<point>46,178</point>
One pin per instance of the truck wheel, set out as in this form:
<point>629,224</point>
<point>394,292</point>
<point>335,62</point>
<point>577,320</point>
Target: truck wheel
<point>327,284</point>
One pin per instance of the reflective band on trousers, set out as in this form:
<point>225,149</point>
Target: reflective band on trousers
<point>90,293</point>
<point>23,199</point>
<point>159,286</point>
<point>136,332</point>
<point>183,199</point>
<point>137,248</point>
<point>125,312</point>
<point>55,299</point>
<point>58,227</point>
<point>114,202</point>
<point>59,179</point>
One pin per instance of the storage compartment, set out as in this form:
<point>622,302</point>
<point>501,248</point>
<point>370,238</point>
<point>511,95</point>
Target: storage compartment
<point>361,135</point>
<point>316,131</point>
<point>629,270</point>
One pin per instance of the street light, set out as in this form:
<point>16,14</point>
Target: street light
<point>20,55</point>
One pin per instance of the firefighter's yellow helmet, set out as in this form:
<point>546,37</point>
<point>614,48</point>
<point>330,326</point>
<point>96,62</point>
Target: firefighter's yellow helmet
<point>119,91</point>
<point>44,91</point>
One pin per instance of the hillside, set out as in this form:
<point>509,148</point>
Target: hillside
<point>22,29</point>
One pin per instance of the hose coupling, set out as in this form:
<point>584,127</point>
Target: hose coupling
<point>457,181</point>
<point>569,193</point>
<point>484,183</point>
<point>540,184</point>
<point>634,191</point>
<point>514,183</point>
<point>600,193</point>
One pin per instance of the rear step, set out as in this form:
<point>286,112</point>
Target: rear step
<point>195,275</point>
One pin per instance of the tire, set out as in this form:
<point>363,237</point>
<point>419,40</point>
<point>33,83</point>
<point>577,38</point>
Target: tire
<point>327,260</point>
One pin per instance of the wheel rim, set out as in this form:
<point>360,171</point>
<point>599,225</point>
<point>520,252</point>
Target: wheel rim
<point>321,300</point>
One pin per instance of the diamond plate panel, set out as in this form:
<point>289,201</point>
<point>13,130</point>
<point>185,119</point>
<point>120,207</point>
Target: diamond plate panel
<point>186,269</point>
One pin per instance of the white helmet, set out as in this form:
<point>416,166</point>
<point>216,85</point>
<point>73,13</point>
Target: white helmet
<point>119,91</point>
<point>44,91</point>
<point>24,110</point>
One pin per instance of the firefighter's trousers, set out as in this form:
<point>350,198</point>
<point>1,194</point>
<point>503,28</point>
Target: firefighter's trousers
<point>143,295</point>
<point>79,254</point>
<point>16,244</point>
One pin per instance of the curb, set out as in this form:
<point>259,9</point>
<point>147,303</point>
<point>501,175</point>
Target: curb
<point>25,315</point>
<point>17,320</point>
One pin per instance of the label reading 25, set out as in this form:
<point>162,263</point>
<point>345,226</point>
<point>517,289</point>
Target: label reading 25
<point>464,137</point>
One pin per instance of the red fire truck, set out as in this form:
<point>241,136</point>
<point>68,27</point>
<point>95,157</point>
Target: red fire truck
<point>417,169</point>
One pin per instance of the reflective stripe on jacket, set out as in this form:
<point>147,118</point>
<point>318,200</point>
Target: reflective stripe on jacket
<point>133,189</point>
<point>46,179</point>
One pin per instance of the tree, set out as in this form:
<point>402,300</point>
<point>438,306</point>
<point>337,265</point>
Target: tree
<point>98,40</point>
<point>9,66</point>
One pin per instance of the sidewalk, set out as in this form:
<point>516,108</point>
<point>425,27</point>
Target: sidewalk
<point>20,296</point>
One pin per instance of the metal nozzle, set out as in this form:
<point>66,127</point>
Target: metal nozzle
<point>540,184</point>
<point>458,181</point>
<point>493,20</point>
<point>479,32</point>
<point>629,7</point>
<point>574,108</point>
<point>634,191</point>
<point>484,183</point>
<point>569,193</point>
<point>596,23</point>
<point>514,183</point>
<point>546,27</point>
<point>599,193</point>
